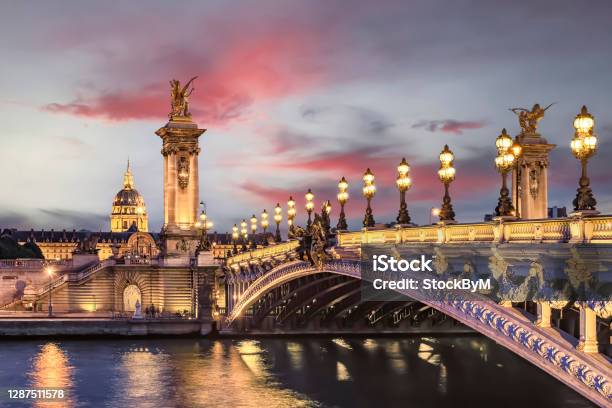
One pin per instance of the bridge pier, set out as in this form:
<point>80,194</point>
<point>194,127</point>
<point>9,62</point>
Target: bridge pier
<point>588,330</point>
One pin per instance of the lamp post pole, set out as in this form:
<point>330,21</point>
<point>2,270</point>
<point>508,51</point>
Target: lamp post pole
<point>446,173</point>
<point>264,226</point>
<point>584,145</point>
<point>235,239</point>
<point>504,162</point>
<point>517,151</point>
<point>403,184</point>
<point>343,196</point>
<point>244,233</point>
<point>253,231</point>
<point>309,206</point>
<point>278,217</point>
<point>204,224</point>
<point>290,217</point>
<point>369,189</point>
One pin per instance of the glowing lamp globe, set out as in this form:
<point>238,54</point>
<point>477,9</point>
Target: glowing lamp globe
<point>584,122</point>
<point>503,141</point>
<point>403,167</point>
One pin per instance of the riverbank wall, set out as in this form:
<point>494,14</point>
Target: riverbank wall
<point>102,327</point>
<point>75,327</point>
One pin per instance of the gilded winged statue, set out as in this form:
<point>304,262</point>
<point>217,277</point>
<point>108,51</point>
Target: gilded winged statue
<point>180,98</point>
<point>528,119</point>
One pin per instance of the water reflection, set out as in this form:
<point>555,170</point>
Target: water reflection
<point>296,354</point>
<point>232,375</point>
<point>442,379</point>
<point>342,343</point>
<point>342,373</point>
<point>143,379</point>
<point>282,372</point>
<point>51,369</point>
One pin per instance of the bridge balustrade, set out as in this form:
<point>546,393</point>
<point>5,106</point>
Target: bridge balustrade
<point>574,230</point>
<point>263,253</point>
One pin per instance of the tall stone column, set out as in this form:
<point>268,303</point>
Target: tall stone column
<point>181,190</point>
<point>530,178</point>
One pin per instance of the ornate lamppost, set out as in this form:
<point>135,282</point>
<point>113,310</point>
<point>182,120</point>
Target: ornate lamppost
<point>290,211</point>
<point>403,184</point>
<point>278,217</point>
<point>517,151</point>
<point>235,239</point>
<point>584,145</point>
<point>204,225</point>
<point>504,162</point>
<point>244,233</point>
<point>253,231</point>
<point>343,196</point>
<point>264,226</point>
<point>446,173</point>
<point>309,206</point>
<point>369,189</point>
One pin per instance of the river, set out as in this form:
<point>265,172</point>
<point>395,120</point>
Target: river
<point>458,371</point>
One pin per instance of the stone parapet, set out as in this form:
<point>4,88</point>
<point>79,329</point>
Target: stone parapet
<point>263,253</point>
<point>596,229</point>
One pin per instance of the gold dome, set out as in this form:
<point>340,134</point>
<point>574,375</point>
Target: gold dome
<point>128,197</point>
<point>129,207</point>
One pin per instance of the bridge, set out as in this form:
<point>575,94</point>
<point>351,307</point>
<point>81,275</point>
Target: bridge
<point>315,281</point>
<point>278,284</point>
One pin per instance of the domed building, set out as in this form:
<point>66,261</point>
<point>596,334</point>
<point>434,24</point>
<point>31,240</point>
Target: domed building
<point>129,211</point>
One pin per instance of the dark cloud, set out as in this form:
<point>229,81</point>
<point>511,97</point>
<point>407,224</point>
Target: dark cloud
<point>53,218</point>
<point>449,125</point>
<point>69,219</point>
<point>11,219</point>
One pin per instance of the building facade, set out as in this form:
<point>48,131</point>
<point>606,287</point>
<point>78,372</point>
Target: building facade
<point>128,236</point>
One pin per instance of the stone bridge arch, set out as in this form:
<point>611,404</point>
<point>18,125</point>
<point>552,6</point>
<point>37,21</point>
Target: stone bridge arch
<point>546,348</point>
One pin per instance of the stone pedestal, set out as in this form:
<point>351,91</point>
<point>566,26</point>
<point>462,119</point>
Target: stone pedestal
<point>530,198</point>
<point>180,150</point>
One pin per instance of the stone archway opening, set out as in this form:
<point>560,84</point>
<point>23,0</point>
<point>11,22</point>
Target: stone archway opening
<point>131,295</point>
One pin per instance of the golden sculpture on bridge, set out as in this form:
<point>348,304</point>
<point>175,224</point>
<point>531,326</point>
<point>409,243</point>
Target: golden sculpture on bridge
<point>180,98</point>
<point>528,119</point>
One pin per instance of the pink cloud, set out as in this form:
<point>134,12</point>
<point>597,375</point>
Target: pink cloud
<point>474,177</point>
<point>272,64</point>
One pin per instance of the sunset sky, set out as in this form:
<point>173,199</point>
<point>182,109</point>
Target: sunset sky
<point>295,95</point>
